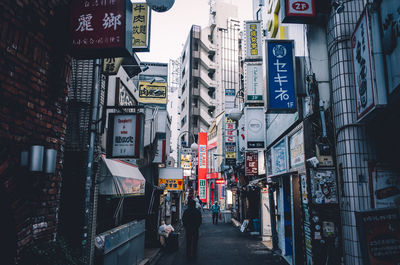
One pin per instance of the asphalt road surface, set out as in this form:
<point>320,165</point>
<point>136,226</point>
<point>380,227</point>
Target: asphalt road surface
<point>222,244</point>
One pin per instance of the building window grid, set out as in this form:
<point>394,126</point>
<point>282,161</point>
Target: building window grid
<point>230,57</point>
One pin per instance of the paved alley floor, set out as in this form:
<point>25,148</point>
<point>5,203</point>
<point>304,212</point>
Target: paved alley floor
<point>223,244</point>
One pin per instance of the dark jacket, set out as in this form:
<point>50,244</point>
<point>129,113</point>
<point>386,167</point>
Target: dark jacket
<point>191,218</point>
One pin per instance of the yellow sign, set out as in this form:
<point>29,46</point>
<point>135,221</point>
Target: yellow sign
<point>111,65</point>
<point>231,155</point>
<point>140,27</point>
<point>152,93</point>
<point>171,184</point>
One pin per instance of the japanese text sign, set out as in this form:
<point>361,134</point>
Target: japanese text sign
<point>203,190</point>
<point>141,27</point>
<point>251,163</point>
<point>230,141</point>
<point>254,83</point>
<point>281,93</point>
<point>101,29</point>
<point>298,11</point>
<point>125,136</point>
<point>153,93</point>
<point>171,184</point>
<point>362,66</point>
<point>202,156</point>
<point>253,49</point>
<point>379,236</point>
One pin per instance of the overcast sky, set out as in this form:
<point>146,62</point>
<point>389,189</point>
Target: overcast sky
<point>169,30</point>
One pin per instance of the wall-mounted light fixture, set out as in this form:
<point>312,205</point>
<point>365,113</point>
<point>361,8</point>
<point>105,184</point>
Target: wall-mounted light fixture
<point>50,161</point>
<point>38,159</point>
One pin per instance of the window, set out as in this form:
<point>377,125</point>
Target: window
<point>183,72</point>
<point>183,121</point>
<point>196,46</point>
<point>183,105</point>
<point>183,88</point>
<point>195,102</point>
<point>196,83</point>
<point>195,64</point>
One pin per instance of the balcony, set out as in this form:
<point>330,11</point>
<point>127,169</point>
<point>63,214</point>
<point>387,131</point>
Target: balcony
<point>205,116</point>
<point>206,99</point>
<point>206,62</point>
<point>206,80</point>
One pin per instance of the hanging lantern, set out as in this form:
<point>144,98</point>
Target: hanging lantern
<point>160,5</point>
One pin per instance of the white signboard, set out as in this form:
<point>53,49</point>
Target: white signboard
<point>255,127</point>
<point>386,185</point>
<point>124,138</point>
<point>253,49</point>
<point>254,83</point>
<point>296,145</point>
<point>202,156</point>
<point>279,158</point>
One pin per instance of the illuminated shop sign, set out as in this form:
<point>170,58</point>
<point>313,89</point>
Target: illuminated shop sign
<point>125,135</point>
<point>298,11</point>
<point>281,94</point>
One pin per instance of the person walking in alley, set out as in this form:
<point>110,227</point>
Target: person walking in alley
<point>191,221</point>
<point>215,209</point>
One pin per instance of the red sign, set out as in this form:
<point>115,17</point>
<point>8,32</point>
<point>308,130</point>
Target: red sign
<point>219,181</point>
<point>202,169</point>
<point>251,163</point>
<point>101,29</point>
<point>298,11</point>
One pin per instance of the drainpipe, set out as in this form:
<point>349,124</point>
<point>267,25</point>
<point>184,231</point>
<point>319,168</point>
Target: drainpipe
<point>86,245</point>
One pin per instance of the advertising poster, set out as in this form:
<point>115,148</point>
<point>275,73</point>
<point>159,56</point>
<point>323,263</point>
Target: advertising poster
<point>379,234</point>
<point>125,136</point>
<point>279,158</point>
<point>153,93</point>
<point>323,186</point>
<point>296,148</point>
<point>362,67</point>
<point>386,187</point>
<point>281,94</point>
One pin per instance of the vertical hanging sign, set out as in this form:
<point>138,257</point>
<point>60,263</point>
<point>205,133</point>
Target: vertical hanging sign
<point>202,171</point>
<point>254,89</point>
<point>230,141</point>
<point>141,19</point>
<point>253,48</point>
<point>281,93</point>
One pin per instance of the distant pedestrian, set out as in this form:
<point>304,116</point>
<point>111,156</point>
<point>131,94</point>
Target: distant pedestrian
<point>191,221</point>
<point>215,209</point>
<point>200,203</point>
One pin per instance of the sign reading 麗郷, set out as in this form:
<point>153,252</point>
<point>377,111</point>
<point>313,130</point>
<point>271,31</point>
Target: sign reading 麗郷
<point>100,29</point>
<point>281,93</point>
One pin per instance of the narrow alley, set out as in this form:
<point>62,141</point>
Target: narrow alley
<point>222,244</point>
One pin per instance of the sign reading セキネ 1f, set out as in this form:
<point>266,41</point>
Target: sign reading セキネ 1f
<point>281,94</point>
<point>125,136</point>
<point>101,29</point>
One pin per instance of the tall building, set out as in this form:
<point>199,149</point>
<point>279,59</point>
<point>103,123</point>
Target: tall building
<point>210,70</point>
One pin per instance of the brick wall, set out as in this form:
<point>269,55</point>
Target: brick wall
<point>34,78</point>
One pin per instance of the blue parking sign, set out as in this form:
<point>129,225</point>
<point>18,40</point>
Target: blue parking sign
<point>281,93</point>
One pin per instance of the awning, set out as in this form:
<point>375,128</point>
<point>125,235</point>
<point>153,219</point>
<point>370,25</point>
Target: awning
<point>118,178</point>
